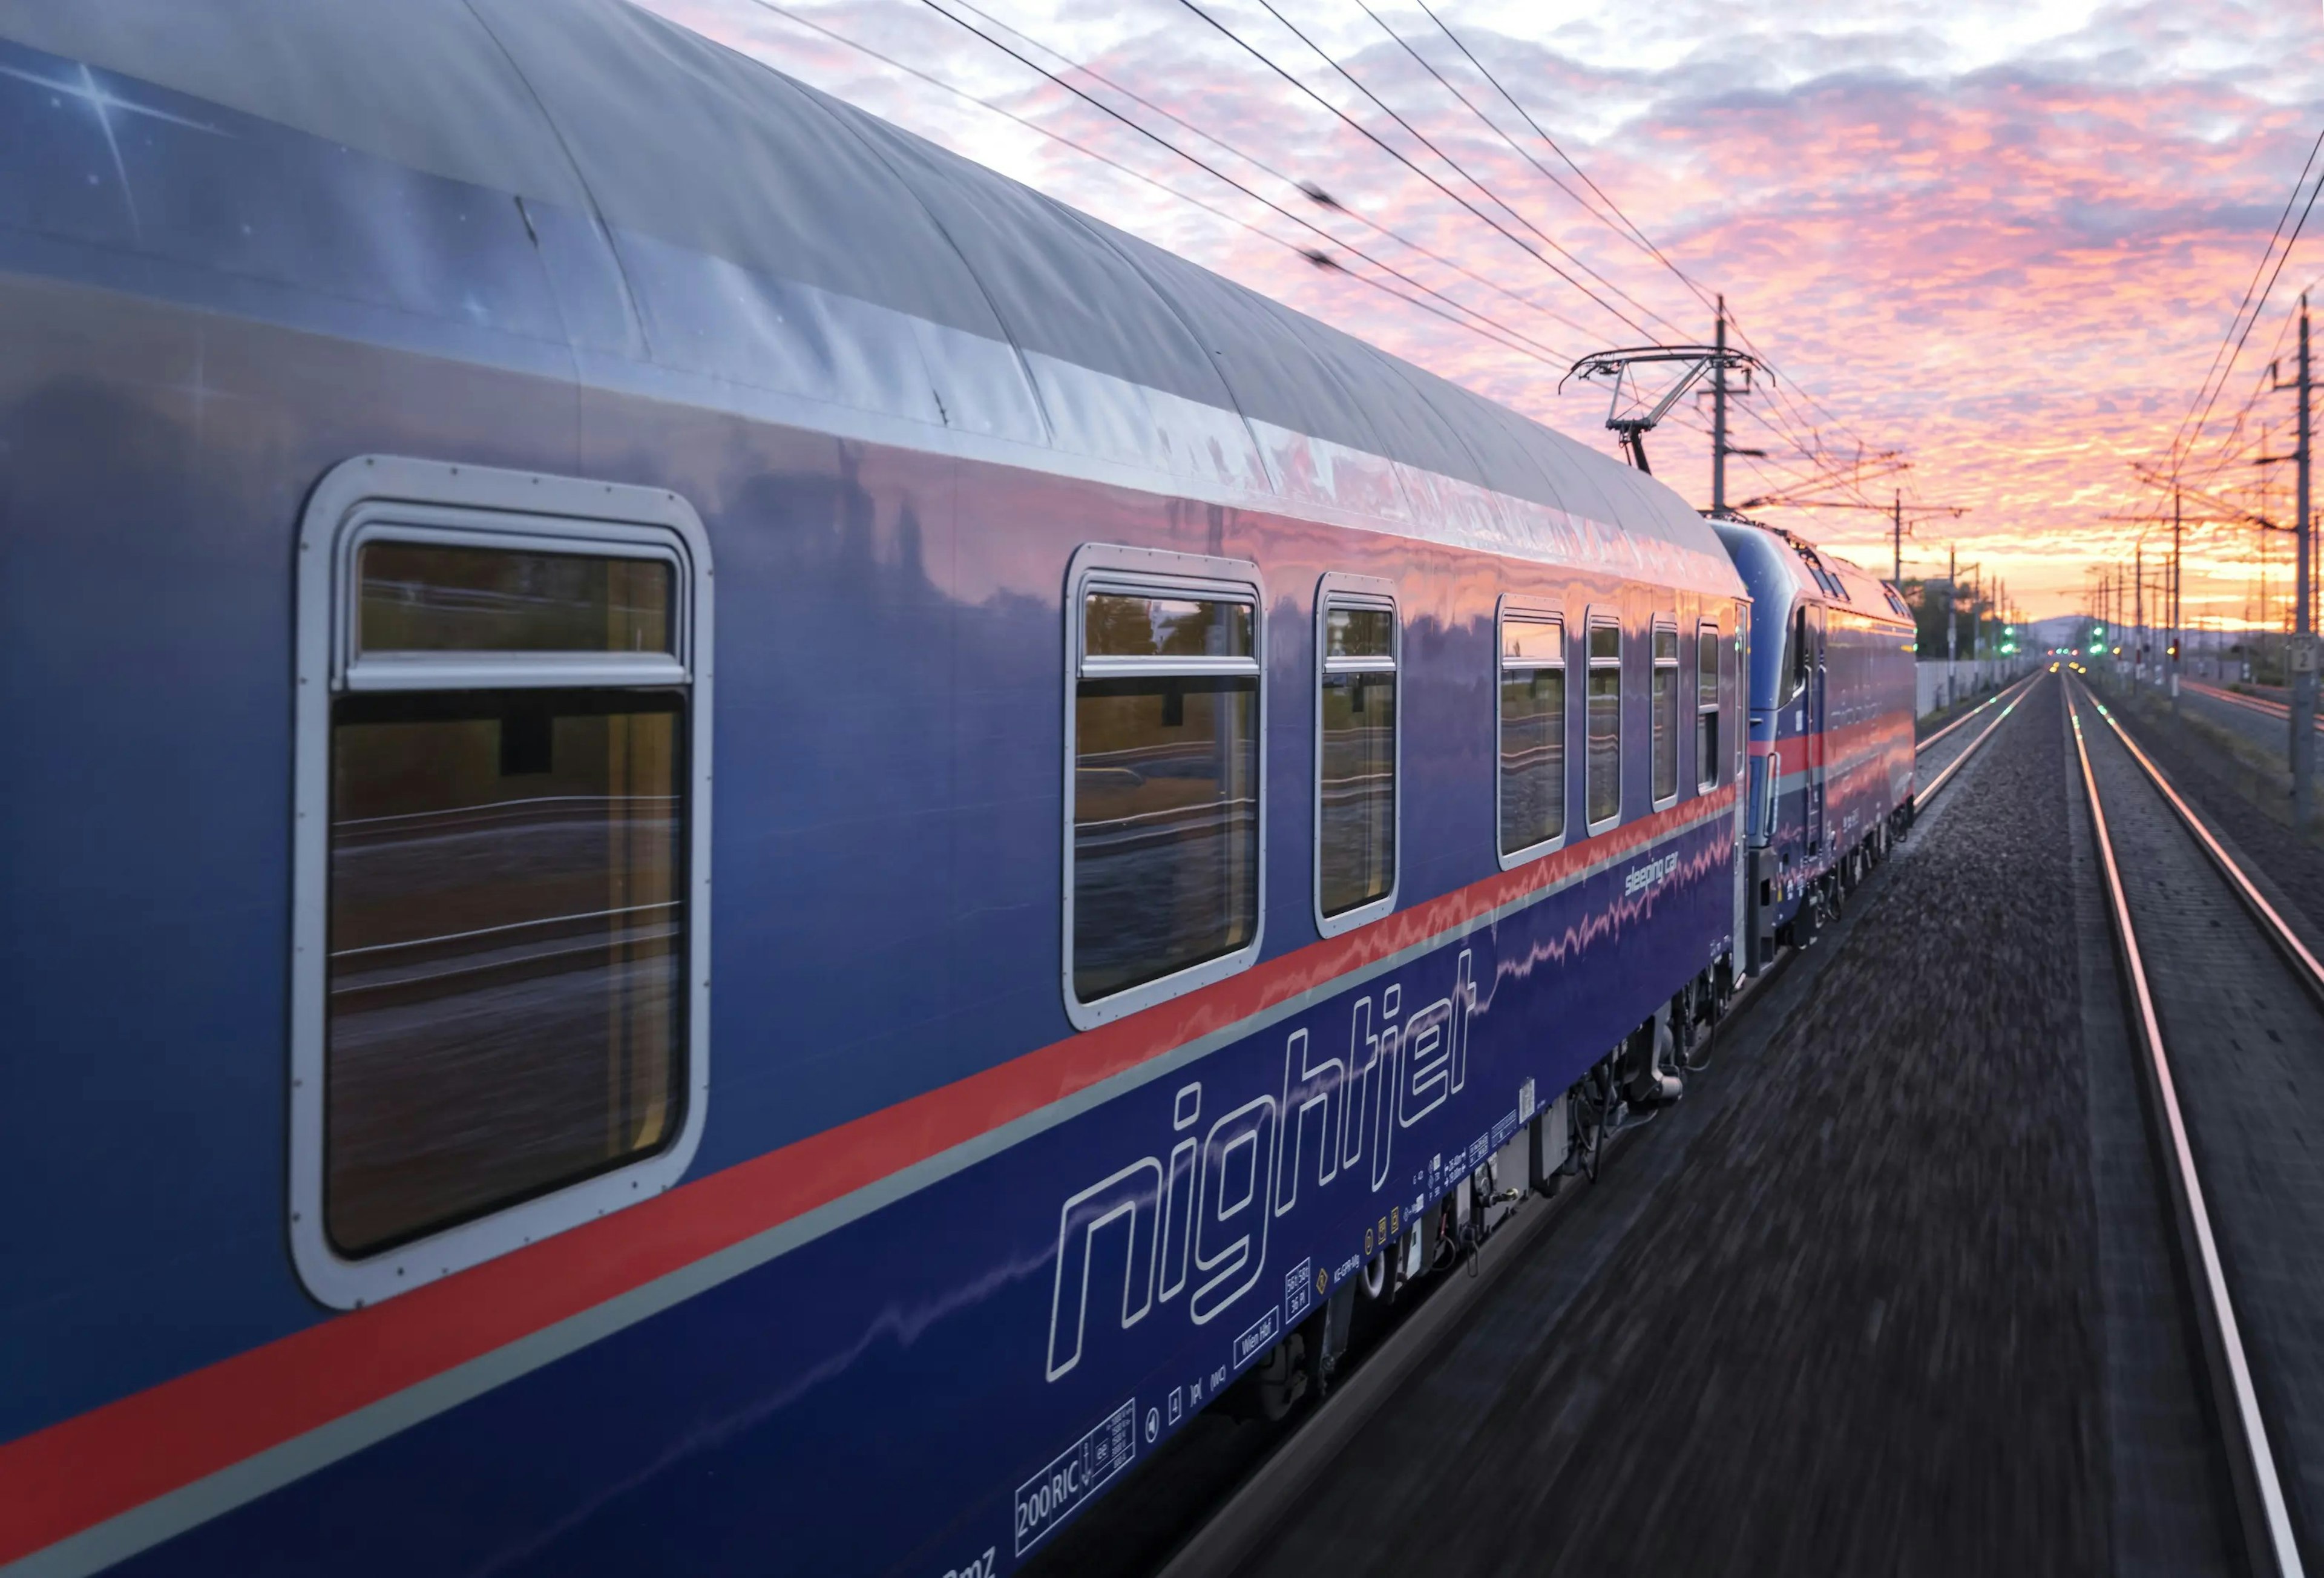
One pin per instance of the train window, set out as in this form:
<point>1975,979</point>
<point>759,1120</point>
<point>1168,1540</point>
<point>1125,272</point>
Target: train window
<point>500,997</point>
<point>1605,722</point>
<point>506,937</point>
<point>1707,649</point>
<point>437,596</point>
<point>1662,710</point>
<point>1356,752</point>
<point>1824,578</point>
<point>1803,659</point>
<point>1532,735</point>
<point>1163,856</point>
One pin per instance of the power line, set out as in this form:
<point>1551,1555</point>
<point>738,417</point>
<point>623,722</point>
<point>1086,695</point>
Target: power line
<point>1628,227</point>
<point>1806,449</point>
<point>1540,351</point>
<point>1309,189</point>
<point>1391,149</point>
<point>1634,233</point>
<point>1492,330</point>
<point>1463,315</point>
<point>2216,377</point>
<point>2231,447</point>
<point>1473,179</point>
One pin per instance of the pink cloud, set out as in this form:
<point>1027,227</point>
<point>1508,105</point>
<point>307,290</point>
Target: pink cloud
<point>2016,269</point>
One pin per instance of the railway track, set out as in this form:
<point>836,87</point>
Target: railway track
<point>2226,1010</point>
<point>2251,703</point>
<point>2006,698</point>
<point>2005,693</point>
<point>1241,1524</point>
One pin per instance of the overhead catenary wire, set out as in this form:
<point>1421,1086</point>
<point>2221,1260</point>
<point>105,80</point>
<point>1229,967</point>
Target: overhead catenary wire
<point>1484,325</point>
<point>1309,189</point>
<point>1474,179</point>
<point>1625,228</point>
<point>1620,222</point>
<point>1783,422</point>
<point>1630,234</point>
<point>1392,151</point>
<point>2223,360</point>
<point>2233,447</point>
<point>1539,350</point>
<point>1808,447</point>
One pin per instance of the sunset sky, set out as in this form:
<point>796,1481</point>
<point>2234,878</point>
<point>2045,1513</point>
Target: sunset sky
<point>2006,239</point>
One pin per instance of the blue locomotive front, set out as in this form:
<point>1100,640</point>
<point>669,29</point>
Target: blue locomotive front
<point>1832,694</point>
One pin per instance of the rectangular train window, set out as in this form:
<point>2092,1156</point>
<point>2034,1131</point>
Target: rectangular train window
<point>1532,735</point>
<point>1605,719</point>
<point>1706,706</point>
<point>502,885</point>
<point>1661,709</point>
<point>1163,742</point>
<point>1356,738</point>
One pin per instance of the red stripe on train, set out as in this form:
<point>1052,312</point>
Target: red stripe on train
<point>79,1471</point>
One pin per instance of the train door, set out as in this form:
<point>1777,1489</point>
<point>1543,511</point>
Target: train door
<point>1812,651</point>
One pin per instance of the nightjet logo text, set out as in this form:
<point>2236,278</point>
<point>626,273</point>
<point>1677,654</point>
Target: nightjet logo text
<point>1191,1221</point>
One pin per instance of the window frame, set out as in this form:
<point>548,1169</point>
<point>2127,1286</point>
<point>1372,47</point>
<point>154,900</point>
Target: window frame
<point>371,498</point>
<point>1524,612</point>
<point>1708,774</point>
<point>1333,590</point>
<point>1664,624</point>
<point>1605,619</point>
<point>1148,572</point>
<point>353,670</point>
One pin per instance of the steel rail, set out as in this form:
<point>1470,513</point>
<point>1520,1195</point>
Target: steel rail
<point>2235,1402</point>
<point>1244,1520</point>
<point>1921,745</point>
<point>1921,796</point>
<point>2305,964</point>
<point>2260,705</point>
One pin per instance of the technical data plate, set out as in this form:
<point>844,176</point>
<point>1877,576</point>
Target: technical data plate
<point>1048,1500</point>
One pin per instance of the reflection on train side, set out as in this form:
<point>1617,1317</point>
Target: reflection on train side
<point>506,925</point>
<point>1166,826</point>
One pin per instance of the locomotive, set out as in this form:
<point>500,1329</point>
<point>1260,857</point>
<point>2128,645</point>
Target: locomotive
<point>1206,812</point>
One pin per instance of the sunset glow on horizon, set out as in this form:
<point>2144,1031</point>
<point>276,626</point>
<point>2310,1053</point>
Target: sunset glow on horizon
<point>2003,239</point>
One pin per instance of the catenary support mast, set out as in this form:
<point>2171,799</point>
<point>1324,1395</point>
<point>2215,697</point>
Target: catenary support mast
<point>1719,417</point>
<point>2303,639</point>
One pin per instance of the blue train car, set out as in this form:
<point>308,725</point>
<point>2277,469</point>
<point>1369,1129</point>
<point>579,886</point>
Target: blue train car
<point>1832,695</point>
<point>1191,795</point>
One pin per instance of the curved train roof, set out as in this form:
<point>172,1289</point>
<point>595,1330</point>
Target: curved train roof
<point>759,245</point>
<point>1782,570</point>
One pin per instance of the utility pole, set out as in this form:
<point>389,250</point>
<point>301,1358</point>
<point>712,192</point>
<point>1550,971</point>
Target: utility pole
<point>2138,609</point>
<point>1719,416</point>
<point>1953,621</point>
<point>1896,538</point>
<point>2303,644</point>
<point>2176,613</point>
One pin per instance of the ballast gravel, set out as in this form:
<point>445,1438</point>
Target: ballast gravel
<point>1854,1327</point>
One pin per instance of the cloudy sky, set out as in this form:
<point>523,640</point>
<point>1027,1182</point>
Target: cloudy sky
<point>2005,239</point>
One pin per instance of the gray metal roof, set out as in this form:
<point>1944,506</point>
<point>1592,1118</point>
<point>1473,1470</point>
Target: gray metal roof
<point>765,237</point>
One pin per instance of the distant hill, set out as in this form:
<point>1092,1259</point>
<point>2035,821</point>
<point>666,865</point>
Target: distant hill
<point>2063,630</point>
